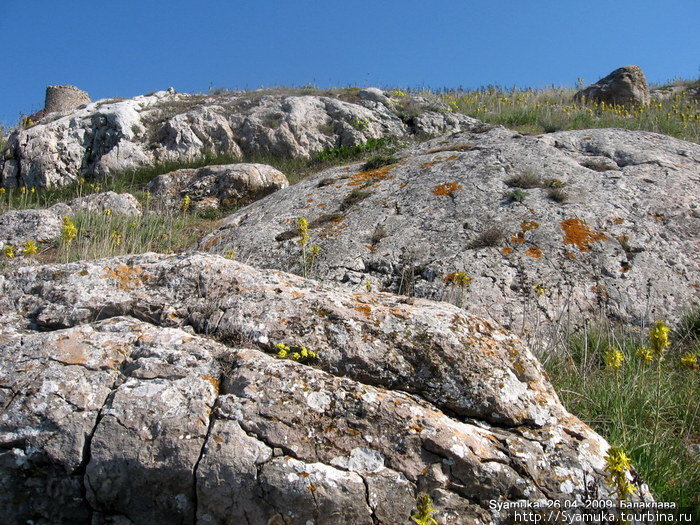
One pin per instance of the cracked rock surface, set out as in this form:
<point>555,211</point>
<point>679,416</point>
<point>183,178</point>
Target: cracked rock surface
<point>143,390</point>
<point>553,230</point>
<point>110,136</point>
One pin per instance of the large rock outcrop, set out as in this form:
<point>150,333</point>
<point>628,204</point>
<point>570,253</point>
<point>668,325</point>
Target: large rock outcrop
<point>552,230</point>
<point>217,186</point>
<point>140,390</point>
<point>110,136</point>
<point>626,86</point>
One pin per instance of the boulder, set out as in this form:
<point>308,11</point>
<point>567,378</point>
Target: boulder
<point>217,186</point>
<point>626,86</point>
<point>19,226</point>
<point>112,136</point>
<point>553,231</point>
<point>142,390</point>
<point>117,203</point>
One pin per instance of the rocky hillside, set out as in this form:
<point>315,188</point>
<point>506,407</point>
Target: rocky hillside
<point>192,388</point>
<point>558,228</point>
<point>110,136</point>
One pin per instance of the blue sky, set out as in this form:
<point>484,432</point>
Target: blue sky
<point>128,47</point>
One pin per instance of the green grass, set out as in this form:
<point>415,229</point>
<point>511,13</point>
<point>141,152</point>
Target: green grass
<point>548,110</point>
<point>652,411</point>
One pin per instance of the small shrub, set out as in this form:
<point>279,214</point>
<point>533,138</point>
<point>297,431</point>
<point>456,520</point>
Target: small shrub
<point>517,195</point>
<point>378,234</point>
<point>492,236</point>
<point>379,161</point>
<point>557,195</point>
<point>525,180</point>
<point>353,198</point>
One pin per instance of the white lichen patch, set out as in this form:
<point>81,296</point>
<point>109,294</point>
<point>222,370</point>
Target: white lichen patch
<point>362,460</point>
<point>318,401</point>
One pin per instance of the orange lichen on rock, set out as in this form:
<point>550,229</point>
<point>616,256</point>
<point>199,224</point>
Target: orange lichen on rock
<point>212,242</point>
<point>626,268</point>
<point>529,225</point>
<point>577,232</point>
<point>128,276</point>
<point>213,380</point>
<point>570,255</point>
<point>446,189</point>
<point>506,250</point>
<point>518,238</point>
<point>370,247</point>
<point>618,220</point>
<point>371,176</point>
<point>364,309</point>
<point>534,251</point>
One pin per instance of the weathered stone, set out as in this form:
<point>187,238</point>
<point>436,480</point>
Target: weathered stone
<point>160,425</point>
<point>626,86</point>
<point>111,136</point>
<point>214,186</point>
<point>19,226</point>
<point>589,241</point>
<point>117,203</point>
<point>64,98</point>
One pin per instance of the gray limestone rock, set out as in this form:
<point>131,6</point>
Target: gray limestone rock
<point>130,397</point>
<point>217,186</point>
<point>111,136</point>
<point>552,230</point>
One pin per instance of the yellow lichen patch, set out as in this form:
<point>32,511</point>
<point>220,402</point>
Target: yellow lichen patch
<point>577,232</point>
<point>371,176</point>
<point>128,276</point>
<point>213,380</point>
<point>446,189</point>
<point>529,225</point>
<point>212,242</point>
<point>296,294</point>
<point>534,251</point>
<point>507,250</point>
<point>452,157</point>
<point>364,309</point>
<point>430,163</point>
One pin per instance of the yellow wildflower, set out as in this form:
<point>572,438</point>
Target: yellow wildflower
<point>9,251</point>
<point>230,254</point>
<point>29,248</point>
<point>614,359</point>
<point>186,203</point>
<point>303,227</point>
<point>68,231</point>
<point>618,464</point>
<point>116,238</point>
<point>658,337</point>
<point>689,361</point>
<point>108,212</point>
<point>645,355</point>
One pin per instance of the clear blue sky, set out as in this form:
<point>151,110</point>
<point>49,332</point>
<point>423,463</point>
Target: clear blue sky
<point>128,47</point>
